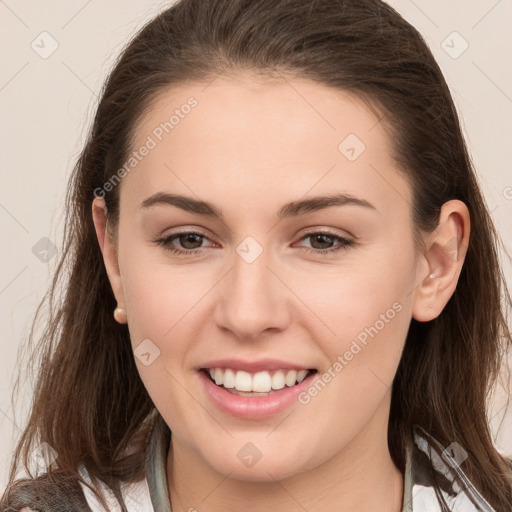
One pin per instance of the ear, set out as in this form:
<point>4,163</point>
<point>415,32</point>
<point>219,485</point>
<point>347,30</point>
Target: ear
<point>443,257</point>
<point>108,248</point>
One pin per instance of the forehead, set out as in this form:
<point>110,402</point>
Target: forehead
<point>263,138</point>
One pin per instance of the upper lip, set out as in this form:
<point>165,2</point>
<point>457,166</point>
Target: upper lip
<point>254,366</point>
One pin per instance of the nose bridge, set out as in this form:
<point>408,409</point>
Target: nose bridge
<point>253,300</point>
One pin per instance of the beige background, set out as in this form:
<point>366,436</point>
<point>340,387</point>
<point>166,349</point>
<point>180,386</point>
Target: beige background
<point>46,105</point>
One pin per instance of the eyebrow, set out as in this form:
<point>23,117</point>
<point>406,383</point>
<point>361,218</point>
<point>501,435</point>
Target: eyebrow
<point>292,209</point>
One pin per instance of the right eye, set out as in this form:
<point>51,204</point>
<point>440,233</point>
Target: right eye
<point>185,239</point>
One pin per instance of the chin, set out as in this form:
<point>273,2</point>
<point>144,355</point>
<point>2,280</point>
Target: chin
<point>251,465</point>
<point>261,472</point>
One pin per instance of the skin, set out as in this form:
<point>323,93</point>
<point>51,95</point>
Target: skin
<point>249,147</point>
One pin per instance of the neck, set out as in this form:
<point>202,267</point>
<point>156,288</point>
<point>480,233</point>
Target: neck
<point>360,477</point>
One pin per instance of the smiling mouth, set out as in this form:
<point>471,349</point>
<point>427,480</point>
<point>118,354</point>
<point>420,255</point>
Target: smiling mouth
<point>263,383</point>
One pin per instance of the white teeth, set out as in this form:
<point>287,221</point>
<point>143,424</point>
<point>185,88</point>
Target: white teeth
<point>229,379</point>
<point>291,378</point>
<point>278,380</point>
<point>218,376</point>
<point>301,375</point>
<point>243,381</point>
<point>260,382</point>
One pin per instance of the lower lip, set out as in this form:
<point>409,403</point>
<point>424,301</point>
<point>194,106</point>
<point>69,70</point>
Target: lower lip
<point>257,407</point>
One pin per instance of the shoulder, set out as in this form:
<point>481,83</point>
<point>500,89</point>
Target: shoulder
<point>435,479</point>
<point>135,495</point>
<point>58,492</point>
<point>51,492</point>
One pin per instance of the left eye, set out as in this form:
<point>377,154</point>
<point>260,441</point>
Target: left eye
<point>326,238</point>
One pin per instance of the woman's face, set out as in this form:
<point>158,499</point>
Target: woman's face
<point>264,287</point>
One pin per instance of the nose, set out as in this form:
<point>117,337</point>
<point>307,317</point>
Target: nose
<point>253,299</point>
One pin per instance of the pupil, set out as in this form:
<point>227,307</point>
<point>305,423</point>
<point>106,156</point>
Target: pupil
<point>190,238</point>
<point>324,237</point>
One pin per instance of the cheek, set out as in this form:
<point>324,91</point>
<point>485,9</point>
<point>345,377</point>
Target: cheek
<point>162,304</point>
<point>160,297</point>
<point>365,312</point>
<point>360,296</point>
<point>165,305</point>
<point>367,318</point>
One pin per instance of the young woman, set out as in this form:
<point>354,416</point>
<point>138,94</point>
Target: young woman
<point>282,288</point>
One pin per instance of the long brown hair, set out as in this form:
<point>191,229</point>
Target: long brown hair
<point>90,404</point>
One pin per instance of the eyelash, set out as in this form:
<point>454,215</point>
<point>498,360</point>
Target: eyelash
<point>344,243</point>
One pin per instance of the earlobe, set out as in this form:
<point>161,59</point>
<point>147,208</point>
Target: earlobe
<point>445,251</point>
<point>108,250</point>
